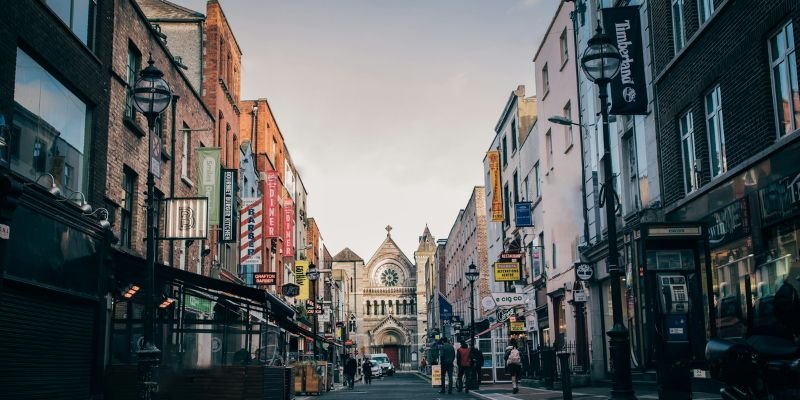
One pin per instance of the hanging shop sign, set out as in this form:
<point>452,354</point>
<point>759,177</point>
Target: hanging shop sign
<point>518,326</point>
<point>208,180</point>
<point>488,303</point>
<point>300,278</point>
<point>579,296</point>
<point>523,214</point>
<point>511,256</point>
<point>272,206</point>
<point>251,222</point>
<point>186,218</point>
<point>445,309</point>
<point>265,278</point>
<point>288,228</point>
<point>290,290</point>
<point>228,230</point>
<point>628,88</point>
<point>506,271</point>
<point>493,158</point>
<point>584,271</point>
<point>508,299</point>
<point>504,314</point>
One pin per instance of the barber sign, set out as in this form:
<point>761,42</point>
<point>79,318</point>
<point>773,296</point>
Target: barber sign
<point>508,299</point>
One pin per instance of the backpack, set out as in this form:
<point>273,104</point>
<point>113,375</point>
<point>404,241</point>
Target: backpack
<point>513,357</point>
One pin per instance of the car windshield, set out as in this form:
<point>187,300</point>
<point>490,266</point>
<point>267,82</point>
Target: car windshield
<point>380,359</point>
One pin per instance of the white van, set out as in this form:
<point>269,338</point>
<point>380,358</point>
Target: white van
<point>382,360</point>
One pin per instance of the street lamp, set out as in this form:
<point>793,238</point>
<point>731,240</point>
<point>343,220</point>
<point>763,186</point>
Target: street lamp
<point>600,63</point>
<point>312,276</point>
<point>151,96</point>
<point>472,275</point>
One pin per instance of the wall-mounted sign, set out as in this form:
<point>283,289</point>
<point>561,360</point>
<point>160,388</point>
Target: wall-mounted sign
<point>265,278</point>
<point>628,88</point>
<point>506,271</point>
<point>300,268</point>
<point>584,271</point>
<point>728,223</point>
<point>508,299</point>
<point>488,303</point>
<point>511,256</point>
<point>518,326</point>
<point>669,231</point>
<point>290,290</point>
<point>229,179</point>
<point>523,214</point>
<point>208,180</point>
<point>186,218</point>
<point>493,158</point>
<point>251,222</point>
<point>579,296</point>
<point>288,228</point>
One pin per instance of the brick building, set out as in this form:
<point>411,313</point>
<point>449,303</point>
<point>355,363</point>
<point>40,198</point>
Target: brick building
<point>728,109</point>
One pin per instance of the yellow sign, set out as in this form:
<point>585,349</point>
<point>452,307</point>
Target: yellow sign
<point>436,375</point>
<point>497,194</point>
<point>506,271</point>
<point>518,326</point>
<point>300,268</point>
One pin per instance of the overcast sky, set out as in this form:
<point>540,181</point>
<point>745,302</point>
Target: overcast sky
<point>387,107</point>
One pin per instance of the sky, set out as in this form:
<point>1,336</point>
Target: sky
<point>387,107</point>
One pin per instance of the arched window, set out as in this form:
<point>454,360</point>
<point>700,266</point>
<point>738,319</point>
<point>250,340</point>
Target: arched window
<point>405,307</point>
<point>390,307</point>
<point>383,307</point>
<point>375,307</point>
<point>413,311</point>
<point>368,307</point>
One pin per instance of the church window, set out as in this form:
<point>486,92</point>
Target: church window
<point>390,307</point>
<point>389,277</point>
<point>412,307</point>
<point>383,307</point>
<point>405,307</point>
<point>368,307</point>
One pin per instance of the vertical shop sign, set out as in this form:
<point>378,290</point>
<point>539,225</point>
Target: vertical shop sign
<point>251,232</point>
<point>497,194</point>
<point>272,211</point>
<point>228,234</point>
<point>629,87</point>
<point>300,268</point>
<point>208,184</point>
<point>288,228</point>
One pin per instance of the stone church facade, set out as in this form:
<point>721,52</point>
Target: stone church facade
<point>388,311</point>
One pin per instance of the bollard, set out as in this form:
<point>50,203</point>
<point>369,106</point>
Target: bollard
<point>566,383</point>
<point>549,367</point>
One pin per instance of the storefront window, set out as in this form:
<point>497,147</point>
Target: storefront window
<point>780,261</point>
<point>731,267</point>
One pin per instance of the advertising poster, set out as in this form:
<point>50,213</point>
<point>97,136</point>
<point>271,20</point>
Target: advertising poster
<point>228,230</point>
<point>300,268</point>
<point>436,375</point>
<point>506,271</point>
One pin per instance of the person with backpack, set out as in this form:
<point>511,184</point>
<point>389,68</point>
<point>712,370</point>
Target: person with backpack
<point>513,364</point>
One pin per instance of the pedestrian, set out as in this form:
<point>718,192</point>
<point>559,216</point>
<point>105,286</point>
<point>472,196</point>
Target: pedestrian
<point>350,368</point>
<point>513,364</point>
<point>477,363</point>
<point>463,361</point>
<point>366,369</point>
<point>423,364</point>
<point>446,357</point>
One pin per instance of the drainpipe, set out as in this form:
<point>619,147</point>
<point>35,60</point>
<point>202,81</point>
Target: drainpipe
<point>578,5</point>
<point>175,98</point>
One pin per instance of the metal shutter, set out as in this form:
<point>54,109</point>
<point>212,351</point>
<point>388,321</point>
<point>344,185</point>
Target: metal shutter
<point>45,346</point>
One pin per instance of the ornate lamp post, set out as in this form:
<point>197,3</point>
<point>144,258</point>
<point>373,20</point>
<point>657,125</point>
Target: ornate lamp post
<point>472,275</point>
<point>312,276</point>
<point>151,96</point>
<point>600,63</point>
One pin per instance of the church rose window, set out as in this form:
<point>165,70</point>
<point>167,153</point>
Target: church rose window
<point>389,277</point>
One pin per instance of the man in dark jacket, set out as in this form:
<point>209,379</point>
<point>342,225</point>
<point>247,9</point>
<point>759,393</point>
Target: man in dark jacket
<point>447,356</point>
<point>350,368</point>
<point>477,364</point>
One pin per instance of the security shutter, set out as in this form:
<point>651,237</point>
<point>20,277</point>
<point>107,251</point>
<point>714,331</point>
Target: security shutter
<point>45,346</point>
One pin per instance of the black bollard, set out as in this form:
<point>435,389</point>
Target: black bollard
<point>549,367</point>
<point>566,383</point>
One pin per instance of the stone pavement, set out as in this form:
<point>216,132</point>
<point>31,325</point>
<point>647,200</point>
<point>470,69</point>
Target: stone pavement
<point>503,392</point>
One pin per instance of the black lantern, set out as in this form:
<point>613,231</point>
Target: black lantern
<point>601,59</point>
<point>151,93</point>
<point>472,275</point>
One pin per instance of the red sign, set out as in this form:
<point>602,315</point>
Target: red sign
<point>271,217</point>
<point>265,278</point>
<point>288,228</point>
<point>348,343</point>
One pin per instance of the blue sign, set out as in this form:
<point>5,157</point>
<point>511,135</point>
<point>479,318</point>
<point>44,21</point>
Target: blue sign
<point>445,309</point>
<point>523,214</point>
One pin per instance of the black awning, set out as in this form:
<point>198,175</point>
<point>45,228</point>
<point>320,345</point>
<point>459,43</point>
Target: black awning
<point>129,265</point>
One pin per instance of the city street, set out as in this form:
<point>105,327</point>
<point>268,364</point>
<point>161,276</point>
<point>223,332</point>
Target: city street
<point>415,386</point>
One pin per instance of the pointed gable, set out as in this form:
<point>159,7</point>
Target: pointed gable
<point>163,10</point>
<point>427,243</point>
<point>389,249</point>
<point>347,255</point>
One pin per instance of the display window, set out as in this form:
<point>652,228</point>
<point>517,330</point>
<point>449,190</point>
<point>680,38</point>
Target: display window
<point>731,268</point>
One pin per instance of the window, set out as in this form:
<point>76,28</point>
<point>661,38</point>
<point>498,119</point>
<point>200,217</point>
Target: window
<point>129,192</point>
<point>704,9</point>
<point>78,15</point>
<point>506,200</point>
<point>564,47</point>
<point>568,141</point>
<point>505,151</point>
<point>554,256</point>
<point>786,95</point>
<point>687,152</point>
<point>53,126</point>
<point>186,153</point>
<point>526,188</point>
<point>274,146</point>
<point>678,31</point>
<point>516,188</point>
<point>629,144</point>
<point>513,135</point>
<point>545,80</point>
<point>716,132</point>
<point>134,65</point>
<point>549,146</point>
<point>537,180</point>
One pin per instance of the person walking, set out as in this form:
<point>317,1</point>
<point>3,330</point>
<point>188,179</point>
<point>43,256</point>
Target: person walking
<point>513,364</point>
<point>463,361</point>
<point>366,370</point>
<point>477,363</point>
<point>446,357</point>
<point>350,368</point>
<point>423,365</point>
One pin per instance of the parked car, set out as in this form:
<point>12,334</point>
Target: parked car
<point>377,372</point>
<point>382,360</point>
